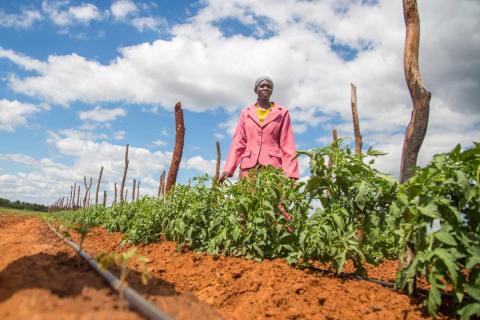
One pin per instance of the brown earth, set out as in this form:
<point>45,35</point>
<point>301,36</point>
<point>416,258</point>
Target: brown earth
<point>236,287</point>
<point>43,278</point>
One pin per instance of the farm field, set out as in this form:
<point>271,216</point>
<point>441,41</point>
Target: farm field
<point>42,278</point>
<point>39,271</point>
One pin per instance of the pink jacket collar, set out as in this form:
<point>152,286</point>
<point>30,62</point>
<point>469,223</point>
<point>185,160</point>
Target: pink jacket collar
<point>272,115</point>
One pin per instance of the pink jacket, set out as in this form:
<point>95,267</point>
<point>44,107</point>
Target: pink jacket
<point>270,143</point>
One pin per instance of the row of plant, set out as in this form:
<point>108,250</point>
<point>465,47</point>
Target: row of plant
<point>346,210</point>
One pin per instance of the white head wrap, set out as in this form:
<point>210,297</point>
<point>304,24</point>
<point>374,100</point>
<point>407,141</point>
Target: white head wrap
<point>260,79</point>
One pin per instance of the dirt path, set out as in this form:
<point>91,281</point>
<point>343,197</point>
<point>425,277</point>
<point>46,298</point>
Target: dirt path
<point>42,278</point>
<point>244,289</point>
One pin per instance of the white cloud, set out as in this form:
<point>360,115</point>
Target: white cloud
<point>19,158</point>
<point>148,23</point>
<point>206,69</point>
<point>23,20</point>
<point>14,114</point>
<point>119,135</point>
<point>49,179</point>
<point>85,12</point>
<point>123,8</point>
<point>63,15</point>
<point>159,143</point>
<point>99,114</point>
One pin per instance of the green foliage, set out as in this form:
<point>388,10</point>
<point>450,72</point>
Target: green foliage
<point>353,221</point>
<point>22,205</point>
<point>448,190</point>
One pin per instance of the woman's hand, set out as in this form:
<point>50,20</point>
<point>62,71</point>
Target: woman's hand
<point>222,177</point>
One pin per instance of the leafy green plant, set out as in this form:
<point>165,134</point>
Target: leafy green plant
<point>353,221</point>
<point>447,190</point>
<point>123,260</point>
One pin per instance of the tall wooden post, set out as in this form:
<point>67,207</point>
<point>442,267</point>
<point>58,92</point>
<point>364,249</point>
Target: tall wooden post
<point>356,123</point>
<point>178,149</point>
<point>115,197</point>
<point>98,185</point>
<point>161,186</point>
<point>74,194</point>
<point>417,128</point>
<point>138,189</point>
<point>87,190</point>
<point>104,198</point>
<point>133,190</point>
<point>219,157</point>
<point>78,196</point>
<point>122,186</point>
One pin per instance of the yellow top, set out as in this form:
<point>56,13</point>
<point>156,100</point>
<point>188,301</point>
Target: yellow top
<point>263,113</point>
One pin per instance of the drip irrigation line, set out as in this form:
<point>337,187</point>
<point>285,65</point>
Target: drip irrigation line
<point>134,299</point>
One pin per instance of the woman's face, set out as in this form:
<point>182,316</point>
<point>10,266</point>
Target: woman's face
<point>264,90</point>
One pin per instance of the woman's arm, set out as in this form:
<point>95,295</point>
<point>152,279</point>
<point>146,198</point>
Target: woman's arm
<point>237,148</point>
<point>289,150</point>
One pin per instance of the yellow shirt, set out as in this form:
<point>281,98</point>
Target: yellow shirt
<point>263,113</point>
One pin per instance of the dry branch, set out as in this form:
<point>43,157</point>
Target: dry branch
<point>98,185</point>
<point>115,198</point>
<point>122,186</point>
<point>178,149</point>
<point>356,123</point>
<point>161,187</point>
<point>133,190</point>
<point>138,189</point>
<point>417,128</point>
<point>87,190</point>
<point>219,157</point>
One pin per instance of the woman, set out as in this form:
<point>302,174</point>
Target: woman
<point>264,136</point>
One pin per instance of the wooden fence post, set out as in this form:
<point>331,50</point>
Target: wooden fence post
<point>122,186</point>
<point>178,149</point>
<point>161,187</point>
<point>98,185</point>
<point>356,123</point>
<point>417,127</point>
<point>133,190</point>
<point>138,189</point>
<point>87,190</point>
<point>217,167</point>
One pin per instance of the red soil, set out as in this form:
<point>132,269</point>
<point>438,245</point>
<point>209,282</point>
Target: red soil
<point>245,289</point>
<point>237,288</point>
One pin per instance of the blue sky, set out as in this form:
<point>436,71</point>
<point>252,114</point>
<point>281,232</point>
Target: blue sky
<point>80,79</point>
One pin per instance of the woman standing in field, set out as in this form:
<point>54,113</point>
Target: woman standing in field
<point>264,136</point>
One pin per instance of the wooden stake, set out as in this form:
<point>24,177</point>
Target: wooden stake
<point>78,196</point>
<point>98,185</point>
<point>138,189</point>
<point>74,194</point>
<point>122,186</point>
<point>161,187</point>
<point>217,167</point>
<point>417,128</point>
<point>87,190</point>
<point>126,195</point>
<point>335,138</point>
<point>104,198</point>
<point>115,199</point>
<point>133,190</point>
<point>356,123</point>
<point>178,149</point>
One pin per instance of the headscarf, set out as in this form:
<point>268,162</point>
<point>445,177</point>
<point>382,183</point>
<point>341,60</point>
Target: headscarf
<point>260,79</point>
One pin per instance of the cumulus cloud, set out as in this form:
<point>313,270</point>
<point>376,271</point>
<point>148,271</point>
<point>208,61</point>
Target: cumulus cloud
<point>159,143</point>
<point>23,20</point>
<point>14,114</point>
<point>148,23</point>
<point>61,14</point>
<point>123,8</point>
<point>312,50</point>
<point>99,114</point>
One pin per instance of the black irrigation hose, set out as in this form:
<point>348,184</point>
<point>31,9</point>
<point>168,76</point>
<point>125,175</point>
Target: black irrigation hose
<point>134,299</point>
